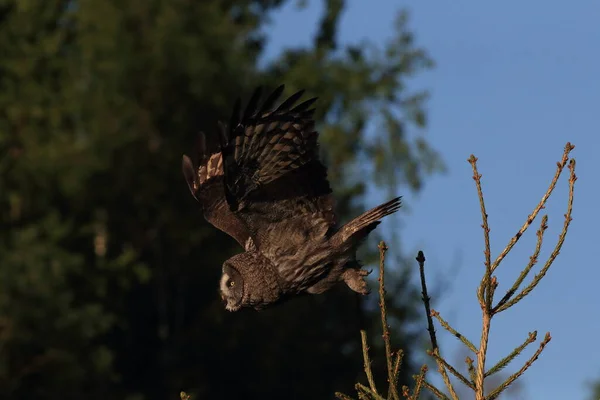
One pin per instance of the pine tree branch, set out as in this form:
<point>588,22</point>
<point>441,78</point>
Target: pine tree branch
<point>485,294</point>
<point>471,368</point>
<point>496,392</point>
<point>367,361</point>
<point>454,372</point>
<point>485,291</point>
<point>481,355</point>
<point>561,239</point>
<point>437,392</point>
<point>560,166</point>
<point>444,374</point>
<point>453,331</point>
<point>420,380</point>
<point>366,392</point>
<point>393,361</point>
<point>531,337</point>
<point>419,383</point>
<point>396,374</point>
<point>532,261</point>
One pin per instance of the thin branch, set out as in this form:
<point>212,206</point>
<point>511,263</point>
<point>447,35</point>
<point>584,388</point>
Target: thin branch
<point>471,368</point>
<point>531,337</point>
<point>362,389</point>
<point>386,333</point>
<point>482,354</point>
<point>453,331</point>
<point>496,392</point>
<point>362,395</point>
<point>406,392</point>
<point>396,374</point>
<point>560,166</point>
<point>343,396</point>
<point>444,374</point>
<point>437,392</point>
<point>426,300</point>
<point>425,297</point>
<point>485,291</point>
<point>532,261</point>
<point>561,239</point>
<point>367,361</point>
<point>419,382</point>
<point>454,372</point>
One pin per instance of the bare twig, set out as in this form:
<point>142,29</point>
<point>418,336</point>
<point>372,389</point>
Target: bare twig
<point>435,348</point>
<point>426,300</point>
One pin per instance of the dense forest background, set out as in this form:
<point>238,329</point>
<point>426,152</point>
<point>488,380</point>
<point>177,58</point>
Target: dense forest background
<point>108,272</point>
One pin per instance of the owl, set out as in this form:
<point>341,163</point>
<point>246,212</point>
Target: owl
<point>265,186</point>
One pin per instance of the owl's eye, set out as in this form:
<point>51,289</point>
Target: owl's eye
<point>231,284</point>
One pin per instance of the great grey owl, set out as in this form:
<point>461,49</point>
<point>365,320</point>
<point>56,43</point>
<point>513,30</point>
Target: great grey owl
<point>265,186</point>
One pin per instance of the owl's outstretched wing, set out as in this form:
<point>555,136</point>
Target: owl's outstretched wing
<point>274,180</point>
<point>205,181</point>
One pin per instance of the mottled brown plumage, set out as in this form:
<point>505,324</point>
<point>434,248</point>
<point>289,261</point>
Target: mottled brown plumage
<point>266,187</point>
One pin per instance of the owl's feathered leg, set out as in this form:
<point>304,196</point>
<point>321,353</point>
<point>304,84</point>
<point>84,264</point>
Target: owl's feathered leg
<point>354,278</point>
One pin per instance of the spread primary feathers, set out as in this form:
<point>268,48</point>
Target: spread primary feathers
<point>266,187</point>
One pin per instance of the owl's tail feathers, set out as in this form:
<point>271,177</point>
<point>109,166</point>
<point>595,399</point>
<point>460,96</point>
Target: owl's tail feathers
<point>355,231</point>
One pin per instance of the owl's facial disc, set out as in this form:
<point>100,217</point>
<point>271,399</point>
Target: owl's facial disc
<point>232,288</point>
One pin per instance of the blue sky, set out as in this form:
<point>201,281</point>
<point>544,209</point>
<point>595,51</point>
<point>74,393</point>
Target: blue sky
<point>514,82</point>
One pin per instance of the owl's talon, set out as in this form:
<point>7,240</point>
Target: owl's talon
<point>355,281</point>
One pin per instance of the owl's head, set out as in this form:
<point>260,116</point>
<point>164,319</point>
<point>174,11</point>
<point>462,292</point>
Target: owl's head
<point>231,287</point>
<point>248,280</point>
